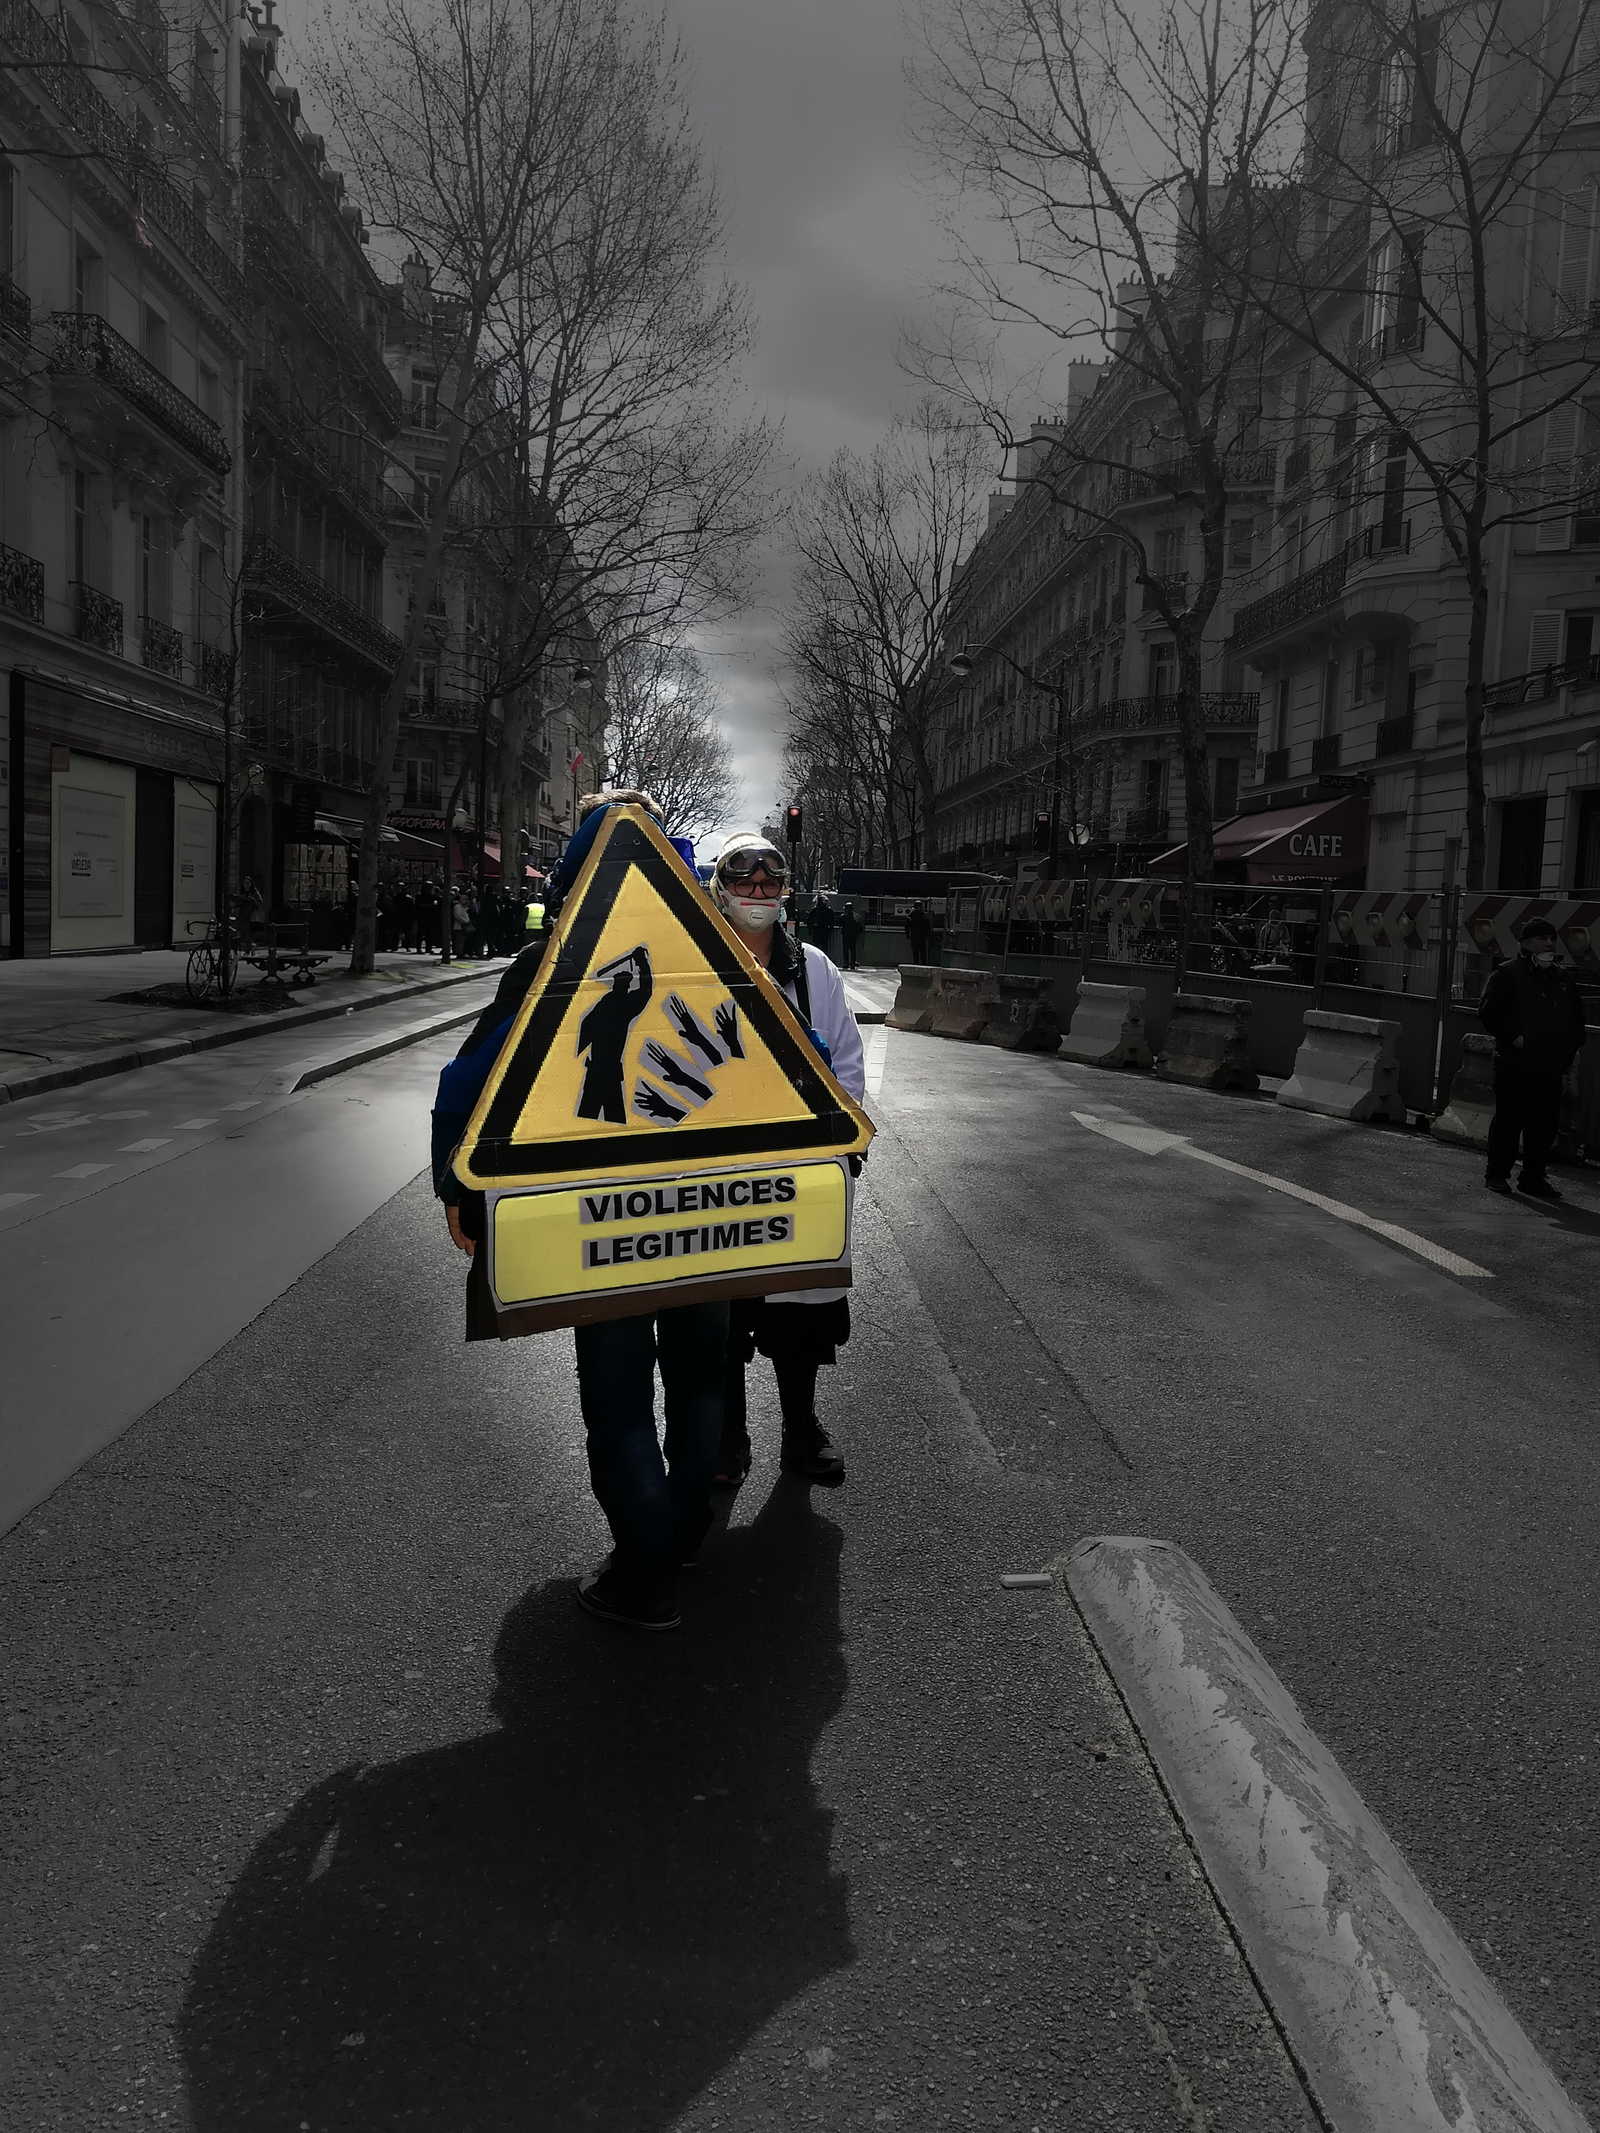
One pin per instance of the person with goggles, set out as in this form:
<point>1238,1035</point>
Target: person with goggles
<point>803,1329</point>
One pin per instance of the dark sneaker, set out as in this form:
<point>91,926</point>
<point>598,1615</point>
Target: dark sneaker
<point>733,1463</point>
<point>813,1457</point>
<point>1538,1189</point>
<point>613,1597</point>
<point>1500,1185</point>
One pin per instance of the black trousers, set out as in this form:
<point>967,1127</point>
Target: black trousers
<point>1527,1108</point>
<point>797,1398</point>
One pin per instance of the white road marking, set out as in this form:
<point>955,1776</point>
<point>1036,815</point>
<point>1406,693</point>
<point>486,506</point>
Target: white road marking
<point>249,1104</point>
<point>83,1170</point>
<point>188,1125</point>
<point>57,1124</point>
<point>874,1048</point>
<point>1151,1140</point>
<point>122,1114</point>
<point>15,1199</point>
<point>144,1147</point>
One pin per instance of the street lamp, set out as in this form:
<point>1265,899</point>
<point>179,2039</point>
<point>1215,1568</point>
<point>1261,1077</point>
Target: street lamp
<point>961,663</point>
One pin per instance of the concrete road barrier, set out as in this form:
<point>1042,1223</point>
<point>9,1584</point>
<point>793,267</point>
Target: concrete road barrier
<point>1386,2011</point>
<point>1208,1044</point>
<point>913,1001</point>
<point>961,1001</point>
<point>1470,1104</point>
<point>1022,1015</point>
<point>1347,1067</point>
<point>1108,1026</point>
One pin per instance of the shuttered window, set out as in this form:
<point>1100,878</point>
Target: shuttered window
<point>1545,633</point>
<point>1558,457</point>
<point>1577,236</point>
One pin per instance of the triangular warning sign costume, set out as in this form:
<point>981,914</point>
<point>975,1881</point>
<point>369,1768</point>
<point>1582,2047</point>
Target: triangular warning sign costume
<point>658,1126</point>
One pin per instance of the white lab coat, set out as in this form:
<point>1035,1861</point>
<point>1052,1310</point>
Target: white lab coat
<point>834,1021</point>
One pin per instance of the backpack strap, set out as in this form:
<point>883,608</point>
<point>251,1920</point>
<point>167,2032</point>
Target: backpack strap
<point>802,984</point>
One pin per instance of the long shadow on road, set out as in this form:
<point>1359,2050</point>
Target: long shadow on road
<point>572,1922</point>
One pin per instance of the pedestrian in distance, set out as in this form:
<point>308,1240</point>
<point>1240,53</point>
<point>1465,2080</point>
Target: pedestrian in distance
<point>803,1330</point>
<point>1532,1008</point>
<point>819,926</point>
<point>655,1490</point>
<point>849,935</point>
<point>919,932</point>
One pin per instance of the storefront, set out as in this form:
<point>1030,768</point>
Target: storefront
<point>111,813</point>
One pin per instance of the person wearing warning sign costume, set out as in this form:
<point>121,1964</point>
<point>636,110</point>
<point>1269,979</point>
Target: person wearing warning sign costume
<point>656,1495</point>
<point>804,1329</point>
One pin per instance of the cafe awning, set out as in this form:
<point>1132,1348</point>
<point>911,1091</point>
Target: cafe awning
<point>1320,840</point>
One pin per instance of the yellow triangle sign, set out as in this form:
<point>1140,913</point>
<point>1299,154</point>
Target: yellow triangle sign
<point>650,1043</point>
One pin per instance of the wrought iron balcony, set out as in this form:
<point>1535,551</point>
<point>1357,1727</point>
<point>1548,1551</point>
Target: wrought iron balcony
<point>21,583</point>
<point>215,669</point>
<point>16,312</point>
<point>1542,683</point>
<point>1325,752</point>
<point>99,618</point>
<point>1396,735</point>
<point>160,647</point>
<point>271,570</point>
<point>99,130</point>
<point>1145,822</point>
<point>301,276</point>
<point>1312,590</point>
<point>87,346</point>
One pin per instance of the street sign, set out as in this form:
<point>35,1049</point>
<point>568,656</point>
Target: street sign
<point>658,1123</point>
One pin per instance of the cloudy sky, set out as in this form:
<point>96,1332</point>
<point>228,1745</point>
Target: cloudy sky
<point>803,111</point>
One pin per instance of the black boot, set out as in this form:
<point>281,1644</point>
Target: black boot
<point>808,1453</point>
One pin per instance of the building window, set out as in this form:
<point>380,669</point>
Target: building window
<point>1226,790</point>
<point>153,337</point>
<point>1164,669</point>
<point>88,276</point>
<point>1241,543</point>
<point>155,568</point>
<point>1280,715</point>
<point>8,218</point>
<point>422,781</point>
<point>1369,674</point>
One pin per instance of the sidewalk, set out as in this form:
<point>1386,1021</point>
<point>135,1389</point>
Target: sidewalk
<point>62,1023</point>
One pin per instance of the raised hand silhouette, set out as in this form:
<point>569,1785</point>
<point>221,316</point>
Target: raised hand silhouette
<point>675,1071</point>
<point>692,1030</point>
<point>649,1100</point>
<point>727,1019</point>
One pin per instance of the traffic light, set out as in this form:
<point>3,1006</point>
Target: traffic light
<point>1041,833</point>
<point>791,824</point>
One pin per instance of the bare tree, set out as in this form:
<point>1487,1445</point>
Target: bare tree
<point>1118,154</point>
<point>880,540</point>
<point>1431,281</point>
<point>537,156</point>
<point>664,737</point>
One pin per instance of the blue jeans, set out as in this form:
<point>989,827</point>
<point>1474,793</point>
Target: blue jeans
<point>658,1507</point>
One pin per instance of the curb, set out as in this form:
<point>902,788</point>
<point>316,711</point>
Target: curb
<point>1388,2018</point>
<point>307,1073</point>
<point>152,1051</point>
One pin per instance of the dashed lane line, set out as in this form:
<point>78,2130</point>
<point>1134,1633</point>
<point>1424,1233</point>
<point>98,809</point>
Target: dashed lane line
<point>83,1170</point>
<point>14,1199</point>
<point>192,1125</point>
<point>144,1147</point>
<point>1153,1140</point>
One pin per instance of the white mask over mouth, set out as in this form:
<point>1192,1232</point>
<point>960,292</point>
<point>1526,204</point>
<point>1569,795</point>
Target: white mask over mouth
<point>754,913</point>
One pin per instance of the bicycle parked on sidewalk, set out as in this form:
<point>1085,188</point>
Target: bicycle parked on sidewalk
<point>213,964</point>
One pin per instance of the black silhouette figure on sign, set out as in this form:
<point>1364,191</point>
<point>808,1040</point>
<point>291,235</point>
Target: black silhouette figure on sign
<point>649,1102</point>
<point>692,1030</point>
<point>603,1034</point>
<point>728,1029</point>
<point>677,1073</point>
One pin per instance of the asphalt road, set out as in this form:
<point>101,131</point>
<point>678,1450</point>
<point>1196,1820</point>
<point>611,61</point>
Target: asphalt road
<point>326,1809</point>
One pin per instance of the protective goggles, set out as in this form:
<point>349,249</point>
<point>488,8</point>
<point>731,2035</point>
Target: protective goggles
<point>746,863</point>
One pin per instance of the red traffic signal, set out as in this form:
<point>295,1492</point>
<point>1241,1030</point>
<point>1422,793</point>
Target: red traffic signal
<point>791,824</point>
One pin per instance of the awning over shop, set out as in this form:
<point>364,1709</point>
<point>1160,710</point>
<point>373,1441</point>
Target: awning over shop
<point>1321,840</point>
